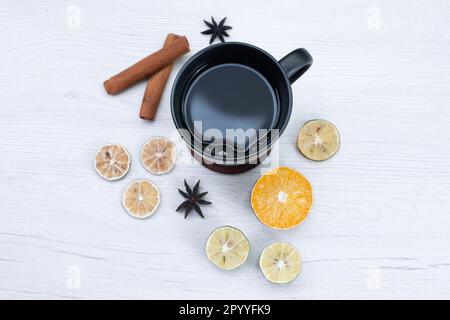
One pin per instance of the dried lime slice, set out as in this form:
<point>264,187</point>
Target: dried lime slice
<point>318,140</point>
<point>227,248</point>
<point>280,262</point>
<point>158,155</point>
<point>112,162</point>
<point>141,199</point>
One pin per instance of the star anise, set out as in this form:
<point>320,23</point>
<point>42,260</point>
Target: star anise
<point>217,30</point>
<point>193,199</point>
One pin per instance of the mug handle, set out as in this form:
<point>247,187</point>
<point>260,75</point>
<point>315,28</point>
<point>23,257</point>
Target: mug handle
<point>296,63</point>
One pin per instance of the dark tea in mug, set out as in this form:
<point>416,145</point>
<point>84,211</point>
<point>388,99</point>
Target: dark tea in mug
<point>230,96</point>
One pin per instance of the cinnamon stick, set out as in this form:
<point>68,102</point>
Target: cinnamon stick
<point>155,86</point>
<point>147,66</point>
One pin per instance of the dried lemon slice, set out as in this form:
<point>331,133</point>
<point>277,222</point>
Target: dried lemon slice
<point>158,155</point>
<point>227,248</point>
<point>280,262</point>
<point>281,198</point>
<point>141,199</point>
<point>112,162</point>
<point>318,140</point>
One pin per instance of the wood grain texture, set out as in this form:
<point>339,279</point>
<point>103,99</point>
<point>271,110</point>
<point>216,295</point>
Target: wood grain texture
<point>380,225</point>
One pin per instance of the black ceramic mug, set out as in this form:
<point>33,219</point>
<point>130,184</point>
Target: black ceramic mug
<point>234,87</point>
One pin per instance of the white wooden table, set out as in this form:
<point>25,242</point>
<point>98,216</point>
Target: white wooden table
<point>380,226</point>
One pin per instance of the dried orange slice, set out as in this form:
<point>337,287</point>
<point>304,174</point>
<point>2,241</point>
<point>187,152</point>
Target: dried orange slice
<point>318,140</point>
<point>227,248</point>
<point>280,262</point>
<point>281,198</point>
<point>141,199</point>
<point>112,162</point>
<point>158,155</point>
